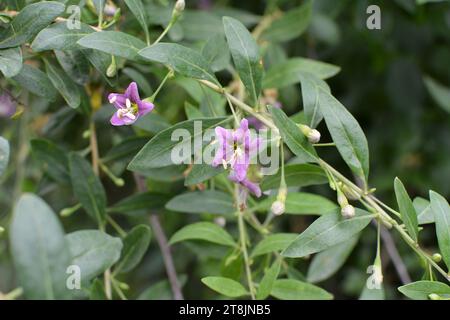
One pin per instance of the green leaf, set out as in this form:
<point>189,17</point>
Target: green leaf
<point>301,203</point>
<point>202,172</point>
<point>420,290</point>
<point>290,289</point>
<point>97,291</point>
<point>101,61</point>
<point>53,158</point>
<point>297,175</point>
<point>159,150</point>
<point>439,93</point>
<point>206,231</point>
<point>273,243</point>
<point>182,60</point>
<point>32,19</point>
<point>216,52</point>
<point>135,244</point>
<point>441,212</point>
<point>138,9</point>
<point>140,203</point>
<point>4,154</point>
<point>75,64</point>
<point>36,82</point>
<point>328,262</point>
<point>225,286</point>
<point>267,282</point>
<point>10,62</point>
<point>287,73</point>
<point>291,25</point>
<point>115,43</point>
<point>93,251</point>
<point>66,87</point>
<point>88,188</point>
<point>310,95</point>
<point>292,136</point>
<point>59,37</point>
<point>407,211</point>
<point>246,57</point>
<point>347,134</point>
<point>372,294</point>
<point>423,210</point>
<point>210,201</point>
<point>328,230</point>
<point>39,250</point>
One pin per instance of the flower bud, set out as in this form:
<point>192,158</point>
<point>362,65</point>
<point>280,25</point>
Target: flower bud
<point>313,135</point>
<point>349,193</point>
<point>180,5</point>
<point>436,257</point>
<point>220,221</point>
<point>434,296</point>
<point>348,211</point>
<point>112,69</point>
<point>277,208</point>
<point>2,229</point>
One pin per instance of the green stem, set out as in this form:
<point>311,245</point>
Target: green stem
<point>243,241</point>
<point>161,85</point>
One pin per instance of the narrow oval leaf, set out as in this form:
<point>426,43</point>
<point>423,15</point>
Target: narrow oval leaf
<point>273,243</point>
<point>10,62</point>
<point>296,175</point>
<point>407,211</point>
<point>267,282</point>
<point>420,290</point>
<point>206,231</point>
<point>301,203</point>
<point>182,60</point>
<point>423,210</point>
<point>215,202</point>
<point>39,249</point>
<point>287,73</point>
<point>291,25</point>
<point>53,158</point>
<point>328,230</point>
<point>246,57</point>
<point>329,261</point>
<point>202,172</point>
<point>75,64</point>
<point>159,151</point>
<point>310,95</point>
<point>135,244</point>
<point>441,212</point>
<point>87,188</point>
<point>36,82</point>
<point>93,251</point>
<point>140,203</point>
<point>439,93</point>
<point>225,286</point>
<point>292,136</point>
<point>347,134</point>
<point>4,154</point>
<point>59,37</point>
<point>216,52</point>
<point>290,289</point>
<point>66,87</point>
<point>32,19</point>
<point>138,9</point>
<point>115,43</point>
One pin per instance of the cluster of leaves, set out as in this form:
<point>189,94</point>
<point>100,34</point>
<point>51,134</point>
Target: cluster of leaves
<point>59,76</point>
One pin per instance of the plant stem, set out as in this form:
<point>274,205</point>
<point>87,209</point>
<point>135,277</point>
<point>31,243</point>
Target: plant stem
<point>163,245</point>
<point>161,85</point>
<point>170,25</point>
<point>243,241</point>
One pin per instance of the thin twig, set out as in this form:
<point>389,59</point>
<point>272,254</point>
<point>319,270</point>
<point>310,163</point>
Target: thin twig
<point>163,245</point>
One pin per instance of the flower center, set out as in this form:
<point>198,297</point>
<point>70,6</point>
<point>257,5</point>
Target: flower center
<point>130,110</point>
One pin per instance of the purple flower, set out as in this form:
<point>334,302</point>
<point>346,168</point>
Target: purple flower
<point>236,147</point>
<point>129,106</point>
<point>7,106</point>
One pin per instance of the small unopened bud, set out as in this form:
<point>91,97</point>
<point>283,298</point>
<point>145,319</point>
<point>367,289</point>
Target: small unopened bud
<point>220,221</point>
<point>124,286</point>
<point>110,9</point>
<point>112,69</point>
<point>436,257</point>
<point>277,208</point>
<point>180,5</point>
<point>349,193</point>
<point>313,135</point>
<point>434,296</point>
<point>341,198</point>
<point>2,229</point>
<point>66,212</point>
<point>348,211</point>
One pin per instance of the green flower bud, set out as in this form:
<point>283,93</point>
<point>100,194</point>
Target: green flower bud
<point>436,257</point>
<point>348,211</point>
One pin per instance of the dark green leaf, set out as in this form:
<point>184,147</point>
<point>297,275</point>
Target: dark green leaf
<point>32,19</point>
<point>298,175</point>
<point>407,211</point>
<point>36,82</point>
<point>225,286</point>
<point>246,57</point>
<point>66,87</point>
<point>290,289</point>
<point>423,210</point>
<point>10,62</point>
<point>185,61</point>
<point>420,290</point>
<point>53,158</point>
<point>267,282</point>
<point>114,43</point>
<point>216,52</point>
<point>328,230</point>
<point>347,134</point>
<point>138,9</point>
<point>439,93</point>
<point>135,244</point>
<point>39,249</point>
<point>140,203</point>
<point>215,202</point>
<point>310,95</point>
<point>273,243</point>
<point>87,188</point>
<point>75,64</point>
<point>59,37</point>
<point>202,172</point>
<point>441,212</point>
<point>206,231</point>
